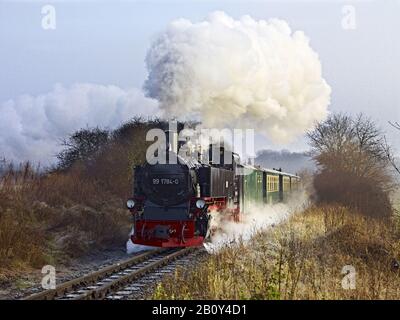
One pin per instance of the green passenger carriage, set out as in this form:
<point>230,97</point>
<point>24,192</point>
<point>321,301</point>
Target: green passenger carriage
<point>265,186</point>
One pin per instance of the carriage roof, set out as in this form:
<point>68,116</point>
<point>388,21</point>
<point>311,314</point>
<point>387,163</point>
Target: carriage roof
<point>271,171</point>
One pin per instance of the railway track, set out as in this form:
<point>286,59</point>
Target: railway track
<point>124,280</point>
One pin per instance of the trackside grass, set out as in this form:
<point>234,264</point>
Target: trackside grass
<point>306,257</point>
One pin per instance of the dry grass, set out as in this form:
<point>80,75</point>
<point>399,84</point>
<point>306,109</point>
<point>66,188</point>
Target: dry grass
<point>20,237</point>
<point>45,218</point>
<point>299,259</point>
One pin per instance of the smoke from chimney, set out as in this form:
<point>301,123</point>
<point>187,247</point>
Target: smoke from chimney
<point>238,74</point>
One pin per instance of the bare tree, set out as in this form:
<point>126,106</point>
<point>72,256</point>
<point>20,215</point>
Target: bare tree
<point>389,154</point>
<point>354,160</point>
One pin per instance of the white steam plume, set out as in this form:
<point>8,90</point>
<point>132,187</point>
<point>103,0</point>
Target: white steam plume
<point>238,74</point>
<point>31,127</point>
<point>258,218</point>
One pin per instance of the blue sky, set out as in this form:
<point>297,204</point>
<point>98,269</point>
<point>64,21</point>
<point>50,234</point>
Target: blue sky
<point>105,42</point>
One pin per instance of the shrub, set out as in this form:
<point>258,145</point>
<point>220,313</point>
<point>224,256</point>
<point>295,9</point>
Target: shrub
<point>354,164</point>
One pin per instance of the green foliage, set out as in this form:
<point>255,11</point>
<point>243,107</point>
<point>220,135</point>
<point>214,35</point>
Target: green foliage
<point>274,284</point>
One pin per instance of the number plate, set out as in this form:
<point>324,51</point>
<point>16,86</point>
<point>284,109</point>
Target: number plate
<point>166,181</point>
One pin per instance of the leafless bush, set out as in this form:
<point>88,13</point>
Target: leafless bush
<point>82,145</point>
<point>353,162</point>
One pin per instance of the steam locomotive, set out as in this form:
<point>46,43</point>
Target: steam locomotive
<point>171,202</point>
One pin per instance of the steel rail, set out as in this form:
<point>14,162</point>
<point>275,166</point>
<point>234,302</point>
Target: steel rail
<point>68,286</point>
<point>108,288</point>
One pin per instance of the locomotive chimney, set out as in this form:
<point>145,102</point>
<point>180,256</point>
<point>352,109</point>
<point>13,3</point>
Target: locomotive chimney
<point>216,154</point>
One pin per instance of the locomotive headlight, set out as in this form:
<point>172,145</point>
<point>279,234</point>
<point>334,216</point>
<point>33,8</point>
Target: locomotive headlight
<point>200,204</point>
<point>130,203</point>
